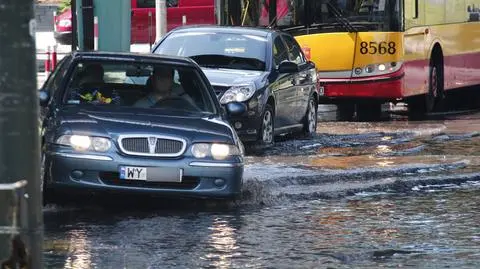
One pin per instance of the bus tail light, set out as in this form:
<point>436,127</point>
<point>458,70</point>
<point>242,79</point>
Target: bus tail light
<point>377,69</point>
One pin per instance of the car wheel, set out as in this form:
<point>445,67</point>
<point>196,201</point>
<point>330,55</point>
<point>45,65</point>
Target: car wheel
<point>43,179</point>
<point>268,127</point>
<point>311,118</point>
<point>47,193</point>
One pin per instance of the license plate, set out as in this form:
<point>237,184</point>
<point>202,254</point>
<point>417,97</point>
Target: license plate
<point>133,173</point>
<point>153,174</point>
<point>321,90</point>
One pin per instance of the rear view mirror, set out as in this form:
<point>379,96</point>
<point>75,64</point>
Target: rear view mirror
<point>287,67</point>
<point>44,97</point>
<point>134,71</point>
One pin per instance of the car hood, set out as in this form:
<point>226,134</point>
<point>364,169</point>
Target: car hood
<point>95,121</point>
<point>230,77</point>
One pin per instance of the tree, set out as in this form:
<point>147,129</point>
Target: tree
<point>64,5</point>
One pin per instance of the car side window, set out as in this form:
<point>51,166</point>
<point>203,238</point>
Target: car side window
<point>294,50</point>
<point>55,79</point>
<point>279,51</point>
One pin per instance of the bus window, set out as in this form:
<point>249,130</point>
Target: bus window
<point>151,3</point>
<point>317,15</point>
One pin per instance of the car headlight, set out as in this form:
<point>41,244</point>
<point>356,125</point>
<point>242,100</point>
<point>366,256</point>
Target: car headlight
<point>84,143</point>
<point>216,151</point>
<point>238,93</point>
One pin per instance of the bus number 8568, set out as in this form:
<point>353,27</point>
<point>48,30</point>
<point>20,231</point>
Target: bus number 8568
<point>381,48</point>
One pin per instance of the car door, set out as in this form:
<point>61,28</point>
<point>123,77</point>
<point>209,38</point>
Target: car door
<point>284,90</point>
<point>303,80</point>
<point>53,85</point>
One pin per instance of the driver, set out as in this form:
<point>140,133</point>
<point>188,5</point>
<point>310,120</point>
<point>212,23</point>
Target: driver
<point>163,87</point>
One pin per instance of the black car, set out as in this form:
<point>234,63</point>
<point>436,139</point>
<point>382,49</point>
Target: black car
<point>136,123</point>
<point>263,68</point>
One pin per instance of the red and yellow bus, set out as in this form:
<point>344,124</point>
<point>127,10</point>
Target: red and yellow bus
<point>369,52</point>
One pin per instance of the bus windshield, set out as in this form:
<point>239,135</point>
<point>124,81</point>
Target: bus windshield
<point>317,15</point>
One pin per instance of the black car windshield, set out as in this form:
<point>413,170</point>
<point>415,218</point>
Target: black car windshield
<point>145,86</point>
<point>218,50</point>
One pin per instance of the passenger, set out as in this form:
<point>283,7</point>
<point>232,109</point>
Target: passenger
<point>93,74</point>
<point>163,86</point>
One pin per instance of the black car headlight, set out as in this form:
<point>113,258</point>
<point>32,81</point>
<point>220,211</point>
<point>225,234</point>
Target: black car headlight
<point>215,150</point>
<point>238,93</point>
<point>84,143</point>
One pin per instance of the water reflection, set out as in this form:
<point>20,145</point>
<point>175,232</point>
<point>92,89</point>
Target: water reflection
<point>79,255</point>
<point>223,241</point>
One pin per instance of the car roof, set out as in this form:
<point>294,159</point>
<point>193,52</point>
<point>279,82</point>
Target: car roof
<point>263,32</point>
<point>132,56</point>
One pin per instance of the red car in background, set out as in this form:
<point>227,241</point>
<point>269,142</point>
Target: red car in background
<point>178,12</point>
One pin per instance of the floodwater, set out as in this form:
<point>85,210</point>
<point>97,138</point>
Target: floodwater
<point>358,195</point>
<point>437,228</point>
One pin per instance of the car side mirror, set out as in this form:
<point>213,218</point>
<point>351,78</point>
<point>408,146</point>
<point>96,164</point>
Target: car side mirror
<point>287,67</point>
<point>44,97</point>
<point>236,108</point>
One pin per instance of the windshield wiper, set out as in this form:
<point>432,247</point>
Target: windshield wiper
<point>341,19</point>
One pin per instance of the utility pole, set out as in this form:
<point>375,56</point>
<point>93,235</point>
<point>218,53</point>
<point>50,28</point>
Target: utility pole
<point>73,5</point>
<point>160,19</point>
<point>21,218</point>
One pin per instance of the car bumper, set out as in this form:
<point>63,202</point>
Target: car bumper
<point>74,172</point>
<point>383,88</point>
<point>63,37</point>
<point>246,127</point>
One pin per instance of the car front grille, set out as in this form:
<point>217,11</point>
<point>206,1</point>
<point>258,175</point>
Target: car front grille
<point>152,146</point>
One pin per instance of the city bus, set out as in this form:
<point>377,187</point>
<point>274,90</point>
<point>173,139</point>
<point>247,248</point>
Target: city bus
<point>369,52</point>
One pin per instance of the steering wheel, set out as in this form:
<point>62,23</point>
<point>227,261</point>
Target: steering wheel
<point>176,102</point>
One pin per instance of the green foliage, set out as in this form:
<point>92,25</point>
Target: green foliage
<point>64,5</point>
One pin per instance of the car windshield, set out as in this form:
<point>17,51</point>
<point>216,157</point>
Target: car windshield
<point>144,86</point>
<point>218,50</point>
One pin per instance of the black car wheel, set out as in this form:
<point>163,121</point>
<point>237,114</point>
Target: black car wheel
<point>43,181</point>
<point>311,117</point>
<point>47,193</point>
<point>268,127</point>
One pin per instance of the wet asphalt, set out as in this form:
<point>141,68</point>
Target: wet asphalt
<point>357,195</point>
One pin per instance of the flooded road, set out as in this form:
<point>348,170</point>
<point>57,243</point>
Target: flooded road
<point>358,195</point>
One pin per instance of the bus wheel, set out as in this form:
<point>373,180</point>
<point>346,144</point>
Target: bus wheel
<point>435,86</point>
<point>369,112</point>
<point>345,111</point>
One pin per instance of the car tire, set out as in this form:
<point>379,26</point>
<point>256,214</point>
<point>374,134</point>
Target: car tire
<point>43,179</point>
<point>47,193</point>
<point>311,118</point>
<point>267,129</point>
